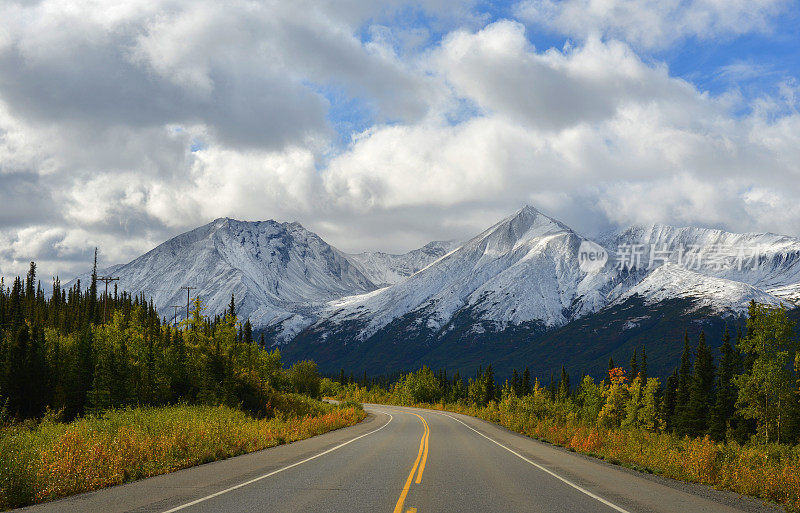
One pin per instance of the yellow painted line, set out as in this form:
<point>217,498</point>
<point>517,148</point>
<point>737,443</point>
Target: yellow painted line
<point>399,506</point>
<point>424,453</point>
<point>411,510</point>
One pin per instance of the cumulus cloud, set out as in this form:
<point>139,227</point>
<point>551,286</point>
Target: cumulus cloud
<point>653,23</point>
<point>641,146</point>
<point>121,126</point>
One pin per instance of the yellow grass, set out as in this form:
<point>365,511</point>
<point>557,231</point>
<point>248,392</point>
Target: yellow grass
<point>52,459</point>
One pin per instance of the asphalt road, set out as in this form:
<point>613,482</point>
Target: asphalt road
<point>408,460</point>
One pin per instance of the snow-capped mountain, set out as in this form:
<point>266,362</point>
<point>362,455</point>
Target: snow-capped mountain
<point>385,269</point>
<point>275,270</point>
<point>518,282</point>
<point>522,277</point>
<point>525,270</point>
<point>522,269</point>
<point>768,262</point>
<point>669,281</point>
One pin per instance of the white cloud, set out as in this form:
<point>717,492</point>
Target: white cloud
<point>122,126</point>
<point>640,147</point>
<point>652,23</point>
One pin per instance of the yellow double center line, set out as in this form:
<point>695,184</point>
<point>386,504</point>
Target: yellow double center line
<point>419,464</point>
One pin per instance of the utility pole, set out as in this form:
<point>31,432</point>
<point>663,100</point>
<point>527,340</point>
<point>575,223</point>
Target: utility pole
<point>106,280</point>
<point>188,292</point>
<point>175,317</point>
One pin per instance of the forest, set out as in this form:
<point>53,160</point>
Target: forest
<point>79,351</point>
<point>96,390</point>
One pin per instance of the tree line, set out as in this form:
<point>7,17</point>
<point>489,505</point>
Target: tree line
<point>750,392</point>
<point>77,351</point>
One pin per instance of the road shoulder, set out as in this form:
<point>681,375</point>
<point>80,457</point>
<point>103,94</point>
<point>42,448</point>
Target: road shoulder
<point>166,491</point>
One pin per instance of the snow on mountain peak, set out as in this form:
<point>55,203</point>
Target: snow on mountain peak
<point>670,281</point>
<point>522,270</point>
<point>386,269</point>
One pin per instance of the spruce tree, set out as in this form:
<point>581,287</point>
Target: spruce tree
<point>515,383</point>
<point>643,369</point>
<point>232,311</point>
<point>92,303</point>
<point>725,401</point>
<point>634,363</point>
<point>563,385</point>
<point>489,385</point>
<point>682,390</point>
<point>248,332</point>
<point>668,404</point>
<point>701,390</point>
<point>526,381</point>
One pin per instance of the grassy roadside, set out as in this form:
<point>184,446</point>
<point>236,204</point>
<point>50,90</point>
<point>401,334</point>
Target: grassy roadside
<point>51,459</point>
<point>770,472</point>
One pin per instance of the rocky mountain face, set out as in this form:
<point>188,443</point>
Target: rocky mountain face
<point>279,273</point>
<point>385,269</point>
<point>501,293</point>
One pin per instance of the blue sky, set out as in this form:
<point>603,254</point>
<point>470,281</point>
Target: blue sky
<point>752,65</point>
<point>384,125</point>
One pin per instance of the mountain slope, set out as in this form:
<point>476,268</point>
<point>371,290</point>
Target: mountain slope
<point>522,269</point>
<point>670,281</point>
<point>517,288</point>
<point>385,269</point>
<point>511,288</point>
<point>766,261</point>
<point>275,270</point>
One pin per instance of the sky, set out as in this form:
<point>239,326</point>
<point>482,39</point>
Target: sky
<point>384,125</point>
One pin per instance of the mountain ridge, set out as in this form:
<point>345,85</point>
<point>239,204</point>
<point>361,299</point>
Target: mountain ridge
<point>516,280</point>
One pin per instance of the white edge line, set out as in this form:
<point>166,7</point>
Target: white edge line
<point>540,467</point>
<point>259,478</point>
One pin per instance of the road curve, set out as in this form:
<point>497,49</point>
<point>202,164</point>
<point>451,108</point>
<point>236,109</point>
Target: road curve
<point>408,460</point>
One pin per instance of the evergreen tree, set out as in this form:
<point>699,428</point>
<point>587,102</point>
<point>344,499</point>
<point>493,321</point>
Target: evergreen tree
<point>643,369</point>
<point>248,332</point>
<point>611,363</point>
<point>563,385</point>
<point>668,404</point>
<point>682,390</point>
<point>515,383</point>
<point>489,385</point>
<point>232,309</point>
<point>701,390</point>
<point>634,364</point>
<point>526,381</point>
<point>725,401</point>
<point>15,379</point>
<point>92,303</point>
